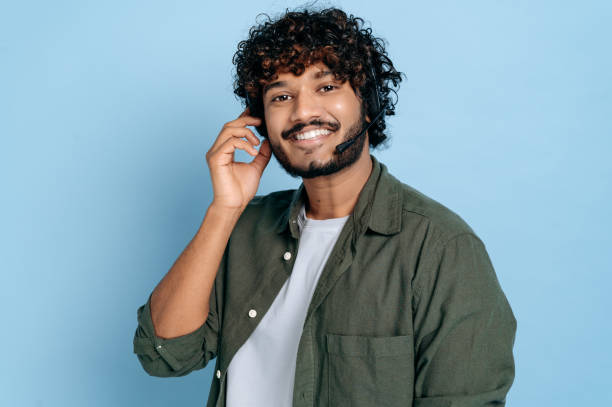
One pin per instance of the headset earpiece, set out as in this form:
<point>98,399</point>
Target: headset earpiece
<point>377,102</point>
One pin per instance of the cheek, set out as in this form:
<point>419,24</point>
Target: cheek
<point>274,123</point>
<point>346,106</point>
<point>341,107</point>
<point>346,112</point>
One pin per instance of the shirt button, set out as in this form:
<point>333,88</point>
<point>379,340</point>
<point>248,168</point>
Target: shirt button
<point>252,313</point>
<point>218,374</point>
<point>287,255</point>
<point>159,346</point>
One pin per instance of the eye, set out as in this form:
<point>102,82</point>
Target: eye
<point>328,88</point>
<point>279,98</point>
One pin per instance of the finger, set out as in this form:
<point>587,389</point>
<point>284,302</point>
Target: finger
<point>224,154</point>
<point>237,132</point>
<point>233,144</point>
<point>241,132</point>
<point>244,121</point>
<point>263,157</point>
<point>246,133</point>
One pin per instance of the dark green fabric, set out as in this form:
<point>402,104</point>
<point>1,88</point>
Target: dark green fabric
<point>408,310</point>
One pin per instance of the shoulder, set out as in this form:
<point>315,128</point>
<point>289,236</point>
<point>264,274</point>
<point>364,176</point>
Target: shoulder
<point>437,221</point>
<point>271,203</point>
<point>263,211</point>
<point>275,199</point>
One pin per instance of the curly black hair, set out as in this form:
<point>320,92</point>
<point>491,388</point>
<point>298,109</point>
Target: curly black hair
<point>300,38</point>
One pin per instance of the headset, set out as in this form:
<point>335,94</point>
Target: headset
<point>346,144</point>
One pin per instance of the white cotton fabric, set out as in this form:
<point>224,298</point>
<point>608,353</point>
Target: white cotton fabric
<point>262,372</point>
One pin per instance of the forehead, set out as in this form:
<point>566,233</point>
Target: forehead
<point>312,72</point>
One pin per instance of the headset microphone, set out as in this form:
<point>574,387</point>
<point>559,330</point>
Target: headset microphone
<point>344,145</point>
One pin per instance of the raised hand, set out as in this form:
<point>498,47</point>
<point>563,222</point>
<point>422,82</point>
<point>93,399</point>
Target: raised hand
<point>235,183</point>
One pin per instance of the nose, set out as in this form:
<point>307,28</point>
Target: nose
<point>306,107</point>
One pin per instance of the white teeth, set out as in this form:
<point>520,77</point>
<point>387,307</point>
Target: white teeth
<point>311,134</point>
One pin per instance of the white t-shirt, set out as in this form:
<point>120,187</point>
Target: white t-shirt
<point>262,371</point>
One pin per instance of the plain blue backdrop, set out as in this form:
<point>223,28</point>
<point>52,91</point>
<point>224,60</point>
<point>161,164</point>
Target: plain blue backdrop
<point>108,108</point>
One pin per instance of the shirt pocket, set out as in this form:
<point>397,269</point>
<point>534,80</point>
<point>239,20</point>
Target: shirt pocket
<point>370,371</point>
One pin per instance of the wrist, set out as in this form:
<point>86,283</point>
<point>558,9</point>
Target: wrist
<point>225,211</point>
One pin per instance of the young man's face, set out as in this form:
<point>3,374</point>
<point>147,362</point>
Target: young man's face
<point>307,116</point>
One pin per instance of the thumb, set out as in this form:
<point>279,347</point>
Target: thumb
<point>263,157</point>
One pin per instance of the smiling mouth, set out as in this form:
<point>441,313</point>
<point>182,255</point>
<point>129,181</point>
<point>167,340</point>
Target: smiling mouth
<point>311,135</point>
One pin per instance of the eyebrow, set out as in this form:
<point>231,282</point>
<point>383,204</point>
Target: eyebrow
<point>278,84</point>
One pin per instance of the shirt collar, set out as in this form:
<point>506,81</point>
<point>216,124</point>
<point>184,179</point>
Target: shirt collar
<point>378,208</point>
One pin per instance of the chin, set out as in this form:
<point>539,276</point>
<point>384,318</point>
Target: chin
<point>318,167</point>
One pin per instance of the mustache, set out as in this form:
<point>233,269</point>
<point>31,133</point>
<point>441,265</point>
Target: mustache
<point>298,127</point>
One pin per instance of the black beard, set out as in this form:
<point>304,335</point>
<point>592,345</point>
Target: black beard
<point>337,163</point>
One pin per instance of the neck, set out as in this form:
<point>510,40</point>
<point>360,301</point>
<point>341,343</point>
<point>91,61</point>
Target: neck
<point>335,195</point>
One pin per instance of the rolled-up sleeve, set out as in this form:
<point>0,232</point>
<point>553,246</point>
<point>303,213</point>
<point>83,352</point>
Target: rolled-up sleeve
<point>464,328</point>
<point>180,355</point>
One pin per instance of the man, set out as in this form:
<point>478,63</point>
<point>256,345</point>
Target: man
<point>354,289</point>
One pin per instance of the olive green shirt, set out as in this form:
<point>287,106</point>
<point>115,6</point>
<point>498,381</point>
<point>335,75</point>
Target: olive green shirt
<point>408,310</point>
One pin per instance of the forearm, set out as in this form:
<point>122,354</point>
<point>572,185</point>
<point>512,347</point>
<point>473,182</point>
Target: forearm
<point>180,302</point>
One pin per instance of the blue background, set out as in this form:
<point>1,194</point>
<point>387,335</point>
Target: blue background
<point>108,108</point>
